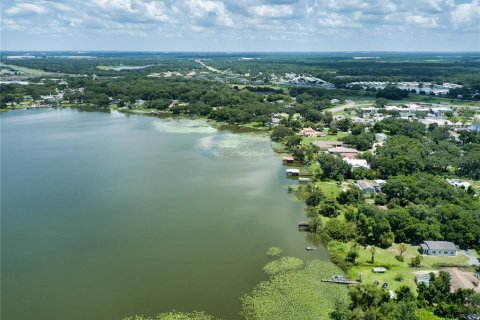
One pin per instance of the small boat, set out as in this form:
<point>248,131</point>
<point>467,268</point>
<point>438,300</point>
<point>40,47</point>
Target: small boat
<point>310,248</point>
<point>379,270</point>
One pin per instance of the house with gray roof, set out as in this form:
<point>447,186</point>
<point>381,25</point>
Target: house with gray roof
<point>365,186</point>
<point>325,145</point>
<point>338,150</point>
<point>438,248</point>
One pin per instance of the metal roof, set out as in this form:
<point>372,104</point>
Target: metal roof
<point>342,150</point>
<point>364,185</point>
<point>440,245</point>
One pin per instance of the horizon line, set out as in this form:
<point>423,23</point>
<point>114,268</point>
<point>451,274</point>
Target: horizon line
<point>233,51</point>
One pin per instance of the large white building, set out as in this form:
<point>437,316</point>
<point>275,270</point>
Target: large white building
<point>357,163</point>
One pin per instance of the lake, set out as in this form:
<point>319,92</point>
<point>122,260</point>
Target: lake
<point>106,215</point>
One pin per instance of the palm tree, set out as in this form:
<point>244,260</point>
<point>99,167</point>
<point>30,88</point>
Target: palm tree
<point>373,251</point>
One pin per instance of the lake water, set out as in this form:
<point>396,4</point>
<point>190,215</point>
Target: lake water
<point>105,215</point>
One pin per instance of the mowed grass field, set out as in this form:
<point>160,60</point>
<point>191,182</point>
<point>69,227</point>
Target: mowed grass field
<point>386,258</point>
<point>328,137</point>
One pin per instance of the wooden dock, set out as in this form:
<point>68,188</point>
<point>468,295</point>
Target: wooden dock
<point>340,281</point>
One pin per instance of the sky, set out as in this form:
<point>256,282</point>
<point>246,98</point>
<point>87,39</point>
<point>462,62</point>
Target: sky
<point>241,25</point>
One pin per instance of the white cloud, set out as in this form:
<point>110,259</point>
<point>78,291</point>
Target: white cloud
<point>124,5</point>
<point>301,20</point>
<point>14,24</point>
<point>26,8</point>
<point>206,11</point>
<point>422,21</point>
<point>335,20</point>
<point>272,11</point>
<point>467,16</point>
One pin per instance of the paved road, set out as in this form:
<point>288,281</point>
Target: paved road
<point>472,260</point>
<point>350,104</point>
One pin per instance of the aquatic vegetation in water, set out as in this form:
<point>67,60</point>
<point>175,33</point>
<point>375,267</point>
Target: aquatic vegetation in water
<point>296,294</point>
<point>175,316</point>
<point>274,251</point>
<point>184,126</point>
<point>282,265</point>
<point>231,145</point>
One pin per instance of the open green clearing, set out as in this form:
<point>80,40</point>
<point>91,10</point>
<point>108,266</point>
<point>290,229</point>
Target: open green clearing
<point>386,258</point>
<point>329,188</point>
<point>328,137</point>
<point>105,67</point>
<point>29,71</point>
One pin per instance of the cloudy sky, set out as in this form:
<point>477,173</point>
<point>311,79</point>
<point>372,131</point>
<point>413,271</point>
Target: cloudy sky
<point>241,25</point>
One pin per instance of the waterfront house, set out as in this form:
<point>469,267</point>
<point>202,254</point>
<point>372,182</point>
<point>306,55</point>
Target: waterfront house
<point>309,132</point>
<point>325,145</point>
<point>438,248</point>
<point>356,163</point>
<point>139,102</point>
<point>348,155</point>
<point>48,98</point>
<point>339,150</point>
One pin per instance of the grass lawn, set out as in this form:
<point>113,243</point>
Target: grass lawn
<point>328,137</point>
<point>386,258</point>
<point>419,98</point>
<point>105,67</point>
<point>255,125</point>
<point>329,188</point>
<point>30,71</point>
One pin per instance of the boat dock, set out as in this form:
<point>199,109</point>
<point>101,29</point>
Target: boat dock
<point>303,224</point>
<point>340,280</point>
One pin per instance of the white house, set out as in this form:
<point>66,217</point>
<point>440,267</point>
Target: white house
<point>357,163</point>
<point>438,248</point>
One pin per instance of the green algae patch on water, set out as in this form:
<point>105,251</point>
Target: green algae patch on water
<point>175,315</point>
<point>274,251</point>
<point>184,126</point>
<point>282,265</point>
<point>296,294</point>
<point>234,145</point>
